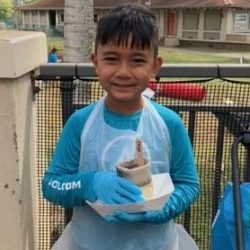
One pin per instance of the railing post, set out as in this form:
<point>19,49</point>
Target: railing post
<point>191,129</point>
<point>247,172</point>
<point>217,170</point>
<point>66,88</point>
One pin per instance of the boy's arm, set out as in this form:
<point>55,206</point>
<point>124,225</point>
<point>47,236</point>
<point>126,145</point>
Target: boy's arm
<point>183,173</point>
<point>63,184</point>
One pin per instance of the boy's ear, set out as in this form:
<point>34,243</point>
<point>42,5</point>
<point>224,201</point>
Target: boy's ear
<point>93,59</point>
<point>156,66</point>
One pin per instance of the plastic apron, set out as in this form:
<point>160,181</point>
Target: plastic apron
<point>102,147</point>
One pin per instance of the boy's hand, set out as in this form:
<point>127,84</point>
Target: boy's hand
<point>111,189</point>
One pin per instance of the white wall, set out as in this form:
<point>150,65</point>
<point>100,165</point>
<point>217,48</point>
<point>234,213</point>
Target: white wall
<point>17,137</point>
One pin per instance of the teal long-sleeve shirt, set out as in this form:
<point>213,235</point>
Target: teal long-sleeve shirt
<point>64,185</point>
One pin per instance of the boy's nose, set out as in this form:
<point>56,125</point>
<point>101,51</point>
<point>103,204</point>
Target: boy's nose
<point>123,70</point>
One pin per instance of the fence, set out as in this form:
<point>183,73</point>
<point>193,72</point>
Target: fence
<point>213,121</point>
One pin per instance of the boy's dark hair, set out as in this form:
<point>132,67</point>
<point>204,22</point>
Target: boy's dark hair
<point>53,50</point>
<point>129,21</point>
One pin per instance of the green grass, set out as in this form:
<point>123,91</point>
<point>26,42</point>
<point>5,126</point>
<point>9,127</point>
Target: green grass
<point>168,55</point>
<point>57,43</point>
<point>172,56</point>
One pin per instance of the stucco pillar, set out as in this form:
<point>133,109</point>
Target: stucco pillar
<point>201,25</point>
<point>21,53</point>
<point>179,23</point>
<point>223,30</point>
<point>229,17</point>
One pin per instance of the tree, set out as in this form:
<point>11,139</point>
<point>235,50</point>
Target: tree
<point>78,42</point>
<point>6,9</point>
<point>78,30</point>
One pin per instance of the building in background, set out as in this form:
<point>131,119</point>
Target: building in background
<point>43,15</point>
<point>186,22</point>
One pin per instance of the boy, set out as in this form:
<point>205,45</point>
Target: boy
<point>98,137</point>
<point>52,57</point>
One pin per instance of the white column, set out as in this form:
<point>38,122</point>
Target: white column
<point>230,24</point>
<point>38,18</point>
<point>224,21</point>
<point>201,25</point>
<point>21,52</point>
<point>161,23</point>
<point>31,21</point>
<point>179,23</point>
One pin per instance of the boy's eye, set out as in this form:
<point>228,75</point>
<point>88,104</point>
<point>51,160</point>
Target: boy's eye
<point>110,59</point>
<point>139,60</point>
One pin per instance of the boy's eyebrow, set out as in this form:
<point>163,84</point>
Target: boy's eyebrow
<point>139,54</point>
<point>111,52</point>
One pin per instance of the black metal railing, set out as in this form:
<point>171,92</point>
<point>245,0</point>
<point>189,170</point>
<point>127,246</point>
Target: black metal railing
<point>213,121</point>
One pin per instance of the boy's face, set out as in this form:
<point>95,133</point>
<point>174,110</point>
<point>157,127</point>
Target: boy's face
<point>125,72</point>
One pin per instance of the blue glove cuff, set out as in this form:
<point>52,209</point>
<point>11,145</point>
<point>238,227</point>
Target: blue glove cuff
<point>89,193</point>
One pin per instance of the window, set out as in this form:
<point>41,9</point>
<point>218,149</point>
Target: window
<point>42,17</point>
<point>212,20</point>
<point>34,17</point>
<point>96,18</point>
<point>190,20</point>
<point>241,22</point>
<point>62,17</point>
<point>26,17</point>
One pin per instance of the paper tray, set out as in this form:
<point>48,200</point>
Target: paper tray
<point>162,188</point>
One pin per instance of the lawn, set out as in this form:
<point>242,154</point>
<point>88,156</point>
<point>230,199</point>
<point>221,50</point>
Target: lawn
<point>168,55</point>
<point>57,43</point>
<point>180,56</point>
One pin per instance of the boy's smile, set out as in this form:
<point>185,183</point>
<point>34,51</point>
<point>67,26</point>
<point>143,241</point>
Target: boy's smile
<point>124,72</point>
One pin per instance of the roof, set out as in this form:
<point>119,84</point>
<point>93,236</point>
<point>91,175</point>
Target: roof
<point>170,4</point>
<point>203,3</point>
<point>44,5</point>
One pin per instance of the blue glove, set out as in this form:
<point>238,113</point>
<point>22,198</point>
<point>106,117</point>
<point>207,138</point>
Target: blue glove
<point>112,189</point>
<point>155,217</point>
